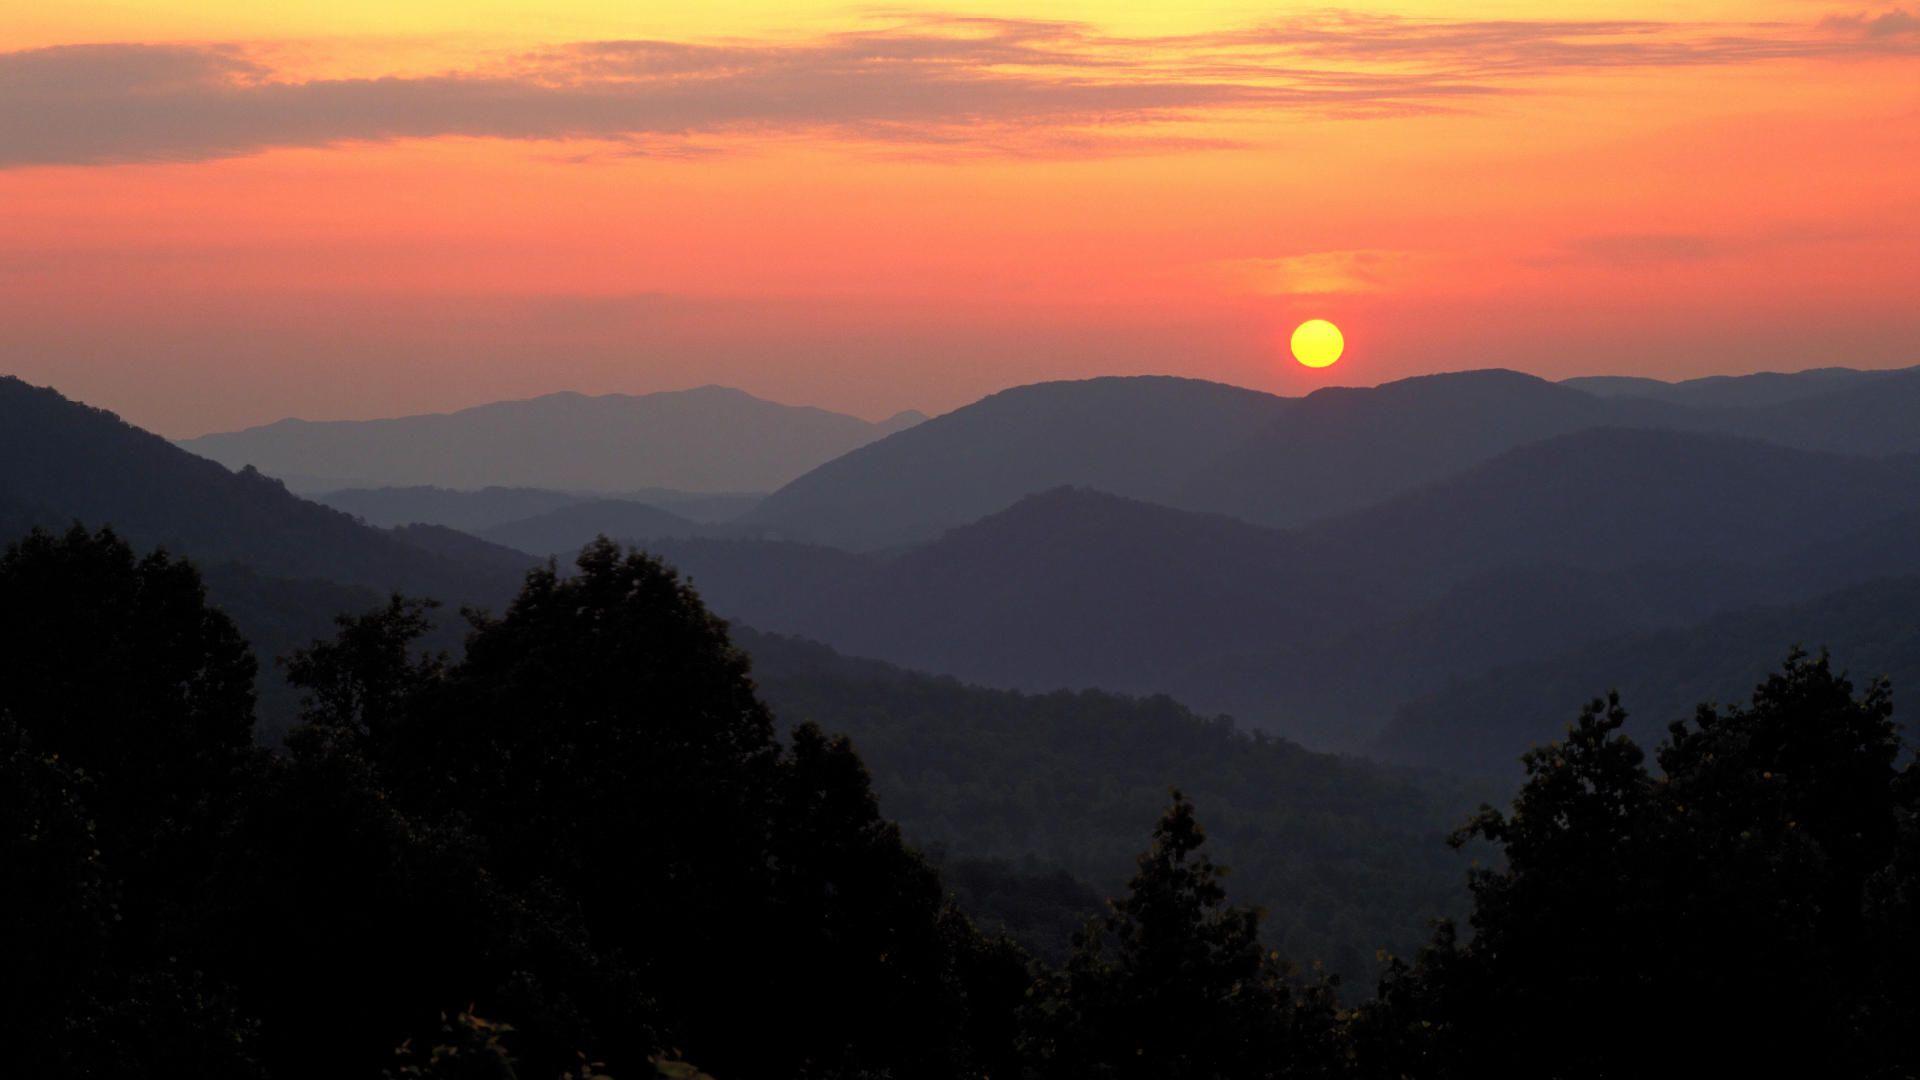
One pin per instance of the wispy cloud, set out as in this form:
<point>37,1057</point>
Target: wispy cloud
<point>1882,26</point>
<point>931,82</point>
<point>1320,272</point>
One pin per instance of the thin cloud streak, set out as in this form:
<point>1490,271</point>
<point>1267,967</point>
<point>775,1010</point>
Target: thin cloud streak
<point>932,84</point>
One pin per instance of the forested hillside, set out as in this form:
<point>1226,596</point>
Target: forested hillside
<point>1344,856</point>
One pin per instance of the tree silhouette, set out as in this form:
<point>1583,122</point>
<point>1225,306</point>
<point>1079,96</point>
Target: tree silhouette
<point>1749,908</point>
<point>126,757</point>
<point>1174,983</point>
<point>602,746</point>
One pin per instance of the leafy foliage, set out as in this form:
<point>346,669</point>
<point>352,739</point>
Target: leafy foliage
<point>1753,903</point>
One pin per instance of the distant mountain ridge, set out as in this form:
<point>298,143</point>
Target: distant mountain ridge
<point>479,509</point>
<point>710,438</point>
<point>1731,391</point>
<point>1283,461</point>
<point>1139,436</point>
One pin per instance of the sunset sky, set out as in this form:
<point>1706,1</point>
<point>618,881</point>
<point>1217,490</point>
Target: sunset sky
<point>219,213</point>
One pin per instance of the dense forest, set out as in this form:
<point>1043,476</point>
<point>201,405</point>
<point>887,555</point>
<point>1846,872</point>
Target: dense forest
<point>586,846</point>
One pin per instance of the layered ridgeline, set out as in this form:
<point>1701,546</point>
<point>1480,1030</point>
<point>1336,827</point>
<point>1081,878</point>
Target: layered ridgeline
<point>542,522</point>
<point>1737,391</point>
<point>711,439</point>
<point>1320,632</point>
<point>1473,724</point>
<point>1279,461</point>
<point>483,508</point>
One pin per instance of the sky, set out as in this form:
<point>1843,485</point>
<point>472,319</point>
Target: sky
<point>219,213</point>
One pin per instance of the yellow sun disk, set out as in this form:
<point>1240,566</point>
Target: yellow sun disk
<point>1317,343</point>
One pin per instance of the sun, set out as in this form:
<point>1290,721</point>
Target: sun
<point>1317,343</point>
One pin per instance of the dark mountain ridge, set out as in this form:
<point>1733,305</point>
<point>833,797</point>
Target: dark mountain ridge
<point>67,462</point>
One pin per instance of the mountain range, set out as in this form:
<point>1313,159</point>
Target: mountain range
<point>708,439</point>
<point>1279,461</point>
<point>1318,632</point>
<point>1395,544</point>
<point>483,508</point>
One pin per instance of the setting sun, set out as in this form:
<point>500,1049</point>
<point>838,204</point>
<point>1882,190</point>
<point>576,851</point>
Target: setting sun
<point>1317,343</point>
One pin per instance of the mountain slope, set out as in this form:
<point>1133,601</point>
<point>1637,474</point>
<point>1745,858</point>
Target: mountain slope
<point>1343,854</point>
<point>1880,415</point>
<point>1131,436</point>
<point>1321,632</point>
<point>1728,391</point>
<point>1187,444</point>
<point>1343,448</point>
<point>478,510</point>
<point>468,511</point>
<point>707,439</point>
<point>62,462</point>
<point>1609,498</point>
<point>1484,722</point>
<point>567,529</point>
<point>280,565</point>
<point>1287,462</point>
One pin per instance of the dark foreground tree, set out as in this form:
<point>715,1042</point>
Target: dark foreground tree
<point>603,748</point>
<point>116,664</point>
<point>586,828</point>
<point>1174,984</point>
<point>126,755</point>
<point>1748,912</point>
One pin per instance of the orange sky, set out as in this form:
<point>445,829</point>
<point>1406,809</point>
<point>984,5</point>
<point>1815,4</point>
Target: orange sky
<point>219,213</point>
